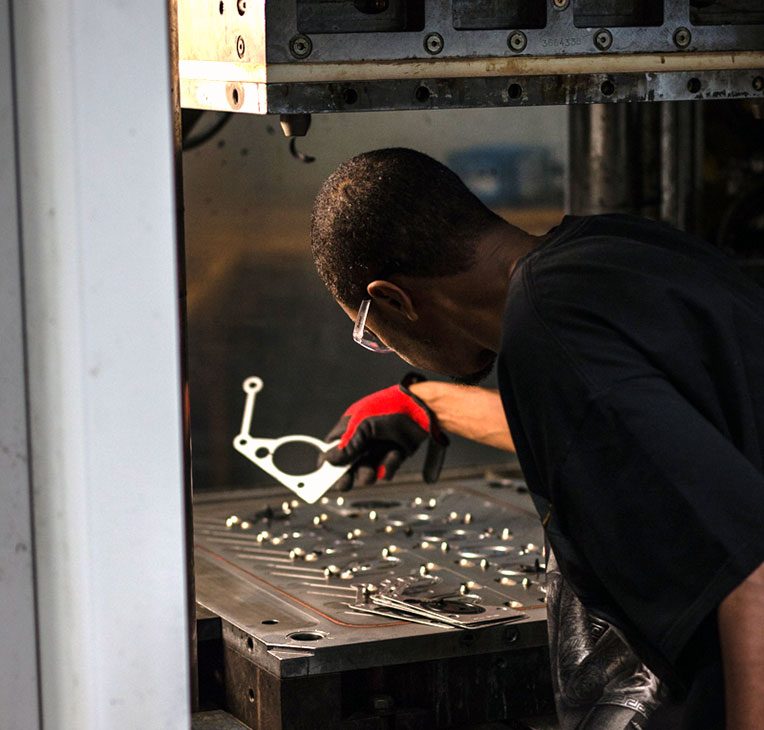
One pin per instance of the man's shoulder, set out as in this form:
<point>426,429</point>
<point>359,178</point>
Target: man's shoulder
<point>612,258</point>
<point>621,233</point>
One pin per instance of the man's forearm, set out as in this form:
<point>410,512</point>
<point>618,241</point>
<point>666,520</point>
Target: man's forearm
<point>741,633</point>
<point>475,413</point>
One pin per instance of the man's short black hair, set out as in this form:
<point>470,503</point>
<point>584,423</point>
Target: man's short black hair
<point>393,211</point>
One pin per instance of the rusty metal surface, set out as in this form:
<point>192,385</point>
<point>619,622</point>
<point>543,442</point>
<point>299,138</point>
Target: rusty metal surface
<point>281,573</point>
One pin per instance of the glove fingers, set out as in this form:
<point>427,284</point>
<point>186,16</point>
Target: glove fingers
<point>366,474</point>
<point>345,482</point>
<point>336,456</point>
<point>389,464</point>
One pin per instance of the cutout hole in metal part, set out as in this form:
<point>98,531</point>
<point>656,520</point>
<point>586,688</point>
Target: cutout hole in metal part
<point>251,694</point>
<point>350,96</point>
<point>422,94</point>
<point>515,91</point>
<point>261,453</point>
<point>269,621</point>
<point>235,95</point>
<point>305,636</point>
<point>221,8</point>
<point>250,643</point>
<point>296,458</point>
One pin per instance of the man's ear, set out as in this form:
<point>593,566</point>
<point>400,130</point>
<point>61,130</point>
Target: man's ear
<point>391,299</point>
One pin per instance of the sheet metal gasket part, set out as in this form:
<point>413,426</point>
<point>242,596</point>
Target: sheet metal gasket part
<point>428,596</point>
<point>414,615</point>
<point>309,487</point>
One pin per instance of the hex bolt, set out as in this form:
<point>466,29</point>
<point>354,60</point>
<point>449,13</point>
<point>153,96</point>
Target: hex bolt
<point>433,43</point>
<point>758,83</point>
<point>603,39</point>
<point>682,37</point>
<point>517,41</point>
<point>240,48</point>
<point>301,46</point>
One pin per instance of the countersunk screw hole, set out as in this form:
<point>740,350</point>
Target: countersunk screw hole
<point>251,694</point>
<point>607,88</point>
<point>262,452</point>
<point>350,96</point>
<point>241,6</point>
<point>515,91</point>
<point>240,47</point>
<point>693,85</point>
<point>422,94</point>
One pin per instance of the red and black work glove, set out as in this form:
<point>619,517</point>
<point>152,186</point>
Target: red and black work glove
<point>381,430</point>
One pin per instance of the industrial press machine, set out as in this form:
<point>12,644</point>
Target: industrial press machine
<point>664,105</point>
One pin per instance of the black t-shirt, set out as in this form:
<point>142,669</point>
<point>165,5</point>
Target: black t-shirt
<point>632,374</point>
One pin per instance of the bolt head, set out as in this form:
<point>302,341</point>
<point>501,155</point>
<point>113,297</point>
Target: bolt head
<point>300,46</point>
<point>433,43</point>
<point>517,41</point>
<point>682,37</point>
<point>603,39</point>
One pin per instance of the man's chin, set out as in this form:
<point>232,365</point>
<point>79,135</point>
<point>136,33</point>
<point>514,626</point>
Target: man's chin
<point>476,377</point>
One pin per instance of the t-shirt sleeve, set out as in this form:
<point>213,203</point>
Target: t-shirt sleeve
<point>665,510</point>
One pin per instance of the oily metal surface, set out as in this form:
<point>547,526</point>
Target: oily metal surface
<point>281,573</point>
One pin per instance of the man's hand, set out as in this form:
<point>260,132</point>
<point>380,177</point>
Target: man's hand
<point>381,430</point>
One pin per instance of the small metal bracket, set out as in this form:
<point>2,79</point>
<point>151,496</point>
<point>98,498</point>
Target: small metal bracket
<point>309,487</point>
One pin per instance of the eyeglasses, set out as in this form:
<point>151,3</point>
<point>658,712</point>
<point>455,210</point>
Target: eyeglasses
<point>364,337</point>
